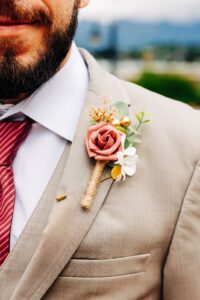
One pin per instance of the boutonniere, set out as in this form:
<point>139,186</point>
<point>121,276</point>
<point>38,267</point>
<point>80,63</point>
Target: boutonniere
<point>110,141</point>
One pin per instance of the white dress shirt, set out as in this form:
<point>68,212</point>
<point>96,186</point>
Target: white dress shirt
<point>56,107</point>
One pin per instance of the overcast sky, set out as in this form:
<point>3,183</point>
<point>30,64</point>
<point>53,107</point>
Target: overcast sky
<point>144,10</point>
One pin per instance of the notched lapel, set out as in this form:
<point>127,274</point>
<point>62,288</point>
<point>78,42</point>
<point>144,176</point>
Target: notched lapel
<point>68,223</point>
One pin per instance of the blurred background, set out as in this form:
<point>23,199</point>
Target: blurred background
<point>153,43</point>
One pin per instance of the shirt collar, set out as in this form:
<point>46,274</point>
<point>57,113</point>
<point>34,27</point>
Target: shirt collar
<point>58,103</point>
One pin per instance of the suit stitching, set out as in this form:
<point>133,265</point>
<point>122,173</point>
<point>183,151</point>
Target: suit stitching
<point>102,277</point>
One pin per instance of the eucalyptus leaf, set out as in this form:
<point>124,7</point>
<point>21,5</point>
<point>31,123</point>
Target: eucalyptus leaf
<point>122,108</point>
<point>135,139</point>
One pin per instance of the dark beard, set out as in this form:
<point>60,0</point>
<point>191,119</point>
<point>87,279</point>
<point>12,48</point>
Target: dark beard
<point>15,79</point>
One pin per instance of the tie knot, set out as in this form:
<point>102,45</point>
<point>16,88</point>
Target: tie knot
<point>12,134</point>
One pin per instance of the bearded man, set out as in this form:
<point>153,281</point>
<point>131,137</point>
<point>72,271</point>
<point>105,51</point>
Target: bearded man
<point>141,237</point>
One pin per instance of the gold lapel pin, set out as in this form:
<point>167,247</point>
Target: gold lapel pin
<point>61,197</point>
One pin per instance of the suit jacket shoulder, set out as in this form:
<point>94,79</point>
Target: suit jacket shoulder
<point>172,121</point>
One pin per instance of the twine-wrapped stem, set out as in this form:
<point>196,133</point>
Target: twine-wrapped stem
<point>93,185</point>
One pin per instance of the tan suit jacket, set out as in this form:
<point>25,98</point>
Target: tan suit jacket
<point>141,240</point>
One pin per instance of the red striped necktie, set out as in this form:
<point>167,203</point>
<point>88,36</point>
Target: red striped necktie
<point>12,134</point>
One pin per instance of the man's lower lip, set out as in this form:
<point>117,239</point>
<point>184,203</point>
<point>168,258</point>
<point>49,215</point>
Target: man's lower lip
<point>14,29</point>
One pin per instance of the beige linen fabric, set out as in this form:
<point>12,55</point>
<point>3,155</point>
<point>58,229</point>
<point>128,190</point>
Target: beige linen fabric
<point>142,237</point>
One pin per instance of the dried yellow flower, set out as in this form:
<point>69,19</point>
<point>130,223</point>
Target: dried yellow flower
<point>104,114</point>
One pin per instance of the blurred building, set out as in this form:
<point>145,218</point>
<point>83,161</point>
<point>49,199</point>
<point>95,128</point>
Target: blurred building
<point>127,36</point>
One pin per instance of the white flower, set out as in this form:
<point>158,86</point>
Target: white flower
<point>127,159</point>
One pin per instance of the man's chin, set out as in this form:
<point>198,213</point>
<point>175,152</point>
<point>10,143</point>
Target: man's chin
<point>12,49</point>
<point>18,74</point>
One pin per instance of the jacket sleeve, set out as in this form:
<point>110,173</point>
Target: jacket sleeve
<point>181,278</point>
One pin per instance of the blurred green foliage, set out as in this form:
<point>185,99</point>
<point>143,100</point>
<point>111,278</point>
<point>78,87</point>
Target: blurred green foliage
<point>173,86</point>
<point>159,52</point>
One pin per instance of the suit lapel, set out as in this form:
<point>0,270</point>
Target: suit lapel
<point>16,263</point>
<point>68,224</point>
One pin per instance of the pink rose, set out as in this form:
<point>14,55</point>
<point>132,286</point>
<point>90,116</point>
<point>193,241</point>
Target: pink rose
<point>103,142</point>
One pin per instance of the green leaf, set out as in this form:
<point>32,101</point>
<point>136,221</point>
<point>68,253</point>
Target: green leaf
<point>127,144</point>
<point>122,129</point>
<point>111,164</point>
<point>122,108</point>
<point>135,139</point>
<point>140,116</point>
<point>132,132</point>
<point>143,117</point>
